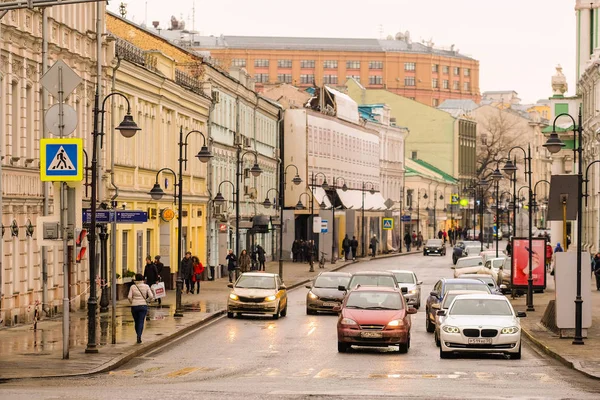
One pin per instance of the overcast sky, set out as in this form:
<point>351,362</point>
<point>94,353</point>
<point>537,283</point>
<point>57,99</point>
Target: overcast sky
<point>517,42</point>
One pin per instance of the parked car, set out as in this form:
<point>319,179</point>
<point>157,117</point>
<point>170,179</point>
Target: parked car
<point>408,280</point>
<point>489,254</point>
<point>434,246</point>
<point>468,264</point>
<point>436,296</point>
<point>324,293</point>
<point>480,323</point>
<point>448,298</point>
<point>473,249</point>
<point>257,293</point>
<point>459,249</point>
<point>374,316</point>
<point>487,279</point>
<point>504,275</point>
<point>371,278</point>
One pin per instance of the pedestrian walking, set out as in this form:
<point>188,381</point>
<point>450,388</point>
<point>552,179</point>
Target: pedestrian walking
<point>310,248</point>
<point>407,241</point>
<point>445,236</point>
<point>253,257</point>
<point>295,250</point>
<point>354,246</point>
<point>303,251</point>
<point>261,257</point>
<point>159,269</point>
<point>187,268</point>
<point>419,241</point>
<point>597,270</point>
<point>558,248</point>
<point>150,272</point>
<point>139,296</point>
<point>232,266</point>
<point>346,247</point>
<point>374,243</point>
<point>244,262</point>
<point>508,249</point>
<point>548,255</point>
<point>198,269</point>
<point>440,235</point>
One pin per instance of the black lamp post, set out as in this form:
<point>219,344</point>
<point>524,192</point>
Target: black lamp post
<point>128,129</point>
<point>510,168</point>
<point>481,184</point>
<point>554,145</point>
<point>362,213</point>
<point>333,188</point>
<point>496,177</point>
<point>535,204</point>
<point>204,155</point>
<point>325,187</point>
<point>435,199</point>
<point>507,207</point>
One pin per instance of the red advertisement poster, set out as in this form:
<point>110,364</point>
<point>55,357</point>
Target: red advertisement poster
<point>520,262</point>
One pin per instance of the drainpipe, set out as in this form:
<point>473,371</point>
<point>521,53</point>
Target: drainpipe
<point>44,106</point>
<point>209,204</point>
<point>99,34</point>
<point>1,205</point>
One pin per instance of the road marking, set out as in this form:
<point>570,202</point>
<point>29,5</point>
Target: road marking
<point>543,377</point>
<point>126,372</point>
<point>182,372</point>
<point>326,373</point>
<point>483,376</point>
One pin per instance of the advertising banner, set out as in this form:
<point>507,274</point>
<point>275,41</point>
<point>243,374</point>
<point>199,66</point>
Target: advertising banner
<point>520,263</point>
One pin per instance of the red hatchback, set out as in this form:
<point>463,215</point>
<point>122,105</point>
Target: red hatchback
<point>374,316</point>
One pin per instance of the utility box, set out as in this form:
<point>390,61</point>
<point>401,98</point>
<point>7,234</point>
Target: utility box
<point>51,230</point>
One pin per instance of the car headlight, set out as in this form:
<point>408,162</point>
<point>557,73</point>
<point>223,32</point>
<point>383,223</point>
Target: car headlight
<point>312,295</point>
<point>510,330</point>
<point>414,291</point>
<point>233,296</point>
<point>450,329</point>
<point>396,323</point>
<point>271,298</point>
<point>348,321</point>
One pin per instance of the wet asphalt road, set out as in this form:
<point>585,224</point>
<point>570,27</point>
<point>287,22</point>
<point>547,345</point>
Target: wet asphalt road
<point>296,357</point>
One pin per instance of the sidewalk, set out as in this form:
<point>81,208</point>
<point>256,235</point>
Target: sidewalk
<point>585,358</point>
<point>38,354</point>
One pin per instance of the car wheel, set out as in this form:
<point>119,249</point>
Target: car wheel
<point>276,315</point>
<point>444,354</point>
<point>437,339</point>
<point>342,347</point>
<point>429,326</point>
<point>230,314</point>
<point>284,311</point>
<point>418,305</point>
<point>310,312</point>
<point>517,355</point>
<point>403,347</point>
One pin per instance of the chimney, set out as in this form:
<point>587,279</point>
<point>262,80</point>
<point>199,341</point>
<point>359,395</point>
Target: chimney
<point>155,24</point>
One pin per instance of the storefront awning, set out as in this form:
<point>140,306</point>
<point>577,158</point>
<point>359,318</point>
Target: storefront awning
<point>352,199</point>
<point>320,195</point>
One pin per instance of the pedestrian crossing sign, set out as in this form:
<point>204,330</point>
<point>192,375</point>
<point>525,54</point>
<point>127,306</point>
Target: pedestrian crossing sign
<point>388,224</point>
<point>61,160</point>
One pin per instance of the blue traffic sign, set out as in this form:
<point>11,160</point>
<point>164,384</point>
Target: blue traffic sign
<point>61,159</point>
<point>123,217</point>
<point>406,218</point>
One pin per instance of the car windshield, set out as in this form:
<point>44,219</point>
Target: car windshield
<point>405,277</point>
<point>489,280</point>
<point>374,300</point>
<point>255,282</point>
<point>448,300</point>
<point>331,281</point>
<point>480,307</point>
<point>433,242</point>
<point>372,280</point>
<point>480,287</point>
<point>471,262</point>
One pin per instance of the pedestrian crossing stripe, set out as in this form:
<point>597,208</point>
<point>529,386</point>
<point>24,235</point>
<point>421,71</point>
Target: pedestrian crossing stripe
<point>61,159</point>
<point>388,223</point>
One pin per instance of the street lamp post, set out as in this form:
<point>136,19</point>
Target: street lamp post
<point>204,155</point>
<point>362,213</point>
<point>554,145</point>
<point>333,187</point>
<point>497,176</point>
<point>128,129</point>
<point>482,183</point>
<point>510,168</point>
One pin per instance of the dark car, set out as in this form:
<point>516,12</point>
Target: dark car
<point>324,293</point>
<point>459,249</point>
<point>372,278</point>
<point>439,291</point>
<point>488,279</point>
<point>374,316</point>
<point>434,246</point>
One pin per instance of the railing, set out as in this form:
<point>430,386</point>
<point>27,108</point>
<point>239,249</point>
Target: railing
<point>129,52</point>
<point>188,81</point>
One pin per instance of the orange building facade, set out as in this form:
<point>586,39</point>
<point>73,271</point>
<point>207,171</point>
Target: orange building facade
<point>414,70</point>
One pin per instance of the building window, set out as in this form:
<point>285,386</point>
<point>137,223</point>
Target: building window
<point>284,78</point>
<point>410,66</point>
<point>445,84</point>
<point>375,64</point>
<point>456,85</point>
<point>456,70</point>
<point>445,69</point>
<point>434,68</point>
<point>436,102</point>
<point>261,63</point>
<point>238,62</point>
<point>409,81</point>
<point>330,64</point>
<point>124,251</point>
<point>466,86</point>
<point>330,79</point>
<point>466,71</point>
<point>261,78</point>
<point>355,77</point>
<point>434,83</point>
<point>284,63</point>
<point>307,79</point>
<point>307,64</point>
<point>352,64</point>
<point>375,80</point>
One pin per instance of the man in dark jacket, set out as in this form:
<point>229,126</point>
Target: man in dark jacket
<point>374,243</point>
<point>310,251</point>
<point>354,246</point>
<point>407,241</point>
<point>232,266</point>
<point>346,247</point>
<point>261,257</point>
<point>186,270</point>
<point>159,267</point>
<point>295,250</point>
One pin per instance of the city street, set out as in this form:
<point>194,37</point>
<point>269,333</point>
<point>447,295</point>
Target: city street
<point>296,357</point>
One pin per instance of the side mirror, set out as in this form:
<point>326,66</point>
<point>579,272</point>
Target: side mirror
<point>434,294</point>
<point>419,282</point>
<point>337,309</point>
<point>503,287</point>
<point>308,286</point>
<point>453,267</point>
<point>411,310</point>
<point>436,306</point>
<point>521,314</point>
<point>342,288</point>
<point>282,287</point>
<point>441,313</point>
<point>404,290</point>
<point>230,285</point>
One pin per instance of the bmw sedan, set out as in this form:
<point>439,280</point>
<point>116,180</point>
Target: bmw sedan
<point>480,323</point>
<point>324,293</point>
<point>257,293</point>
<point>434,246</point>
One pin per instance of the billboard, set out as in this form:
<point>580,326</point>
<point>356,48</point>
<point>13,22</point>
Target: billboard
<point>520,262</point>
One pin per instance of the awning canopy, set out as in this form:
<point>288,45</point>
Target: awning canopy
<point>320,195</point>
<point>352,199</point>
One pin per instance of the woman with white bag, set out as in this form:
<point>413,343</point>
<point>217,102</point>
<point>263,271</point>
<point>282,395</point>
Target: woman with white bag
<point>139,296</point>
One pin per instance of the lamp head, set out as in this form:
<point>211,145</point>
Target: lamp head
<point>156,193</point>
<point>300,206</point>
<point>441,197</point>
<point>372,191</point>
<point>345,188</point>
<point>267,203</point>
<point>219,199</point>
<point>510,168</point>
<point>255,170</point>
<point>425,196</point>
<point>554,144</point>
<point>496,175</point>
<point>204,155</point>
<point>297,180</point>
<point>325,186</point>
<point>323,205</point>
<point>128,127</point>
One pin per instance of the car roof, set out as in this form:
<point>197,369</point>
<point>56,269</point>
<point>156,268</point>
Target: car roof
<point>459,280</point>
<point>395,271</point>
<point>476,276</point>
<point>483,296</point>
<point>469,258</point>
<point>334,273</point>
<point>457,292</point>
<point>267,274</point>
<point>384,273</point>
<point>375,289</point>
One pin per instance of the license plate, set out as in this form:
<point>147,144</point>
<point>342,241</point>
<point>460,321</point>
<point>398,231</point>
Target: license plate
<point>371,335</point>
<point>479,341</point>
<point>330,304</point>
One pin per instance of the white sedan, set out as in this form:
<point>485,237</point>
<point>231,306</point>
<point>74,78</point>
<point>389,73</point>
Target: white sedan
<point>480,323</point>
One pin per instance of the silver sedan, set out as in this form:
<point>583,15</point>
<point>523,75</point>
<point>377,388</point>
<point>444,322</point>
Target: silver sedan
<point>408,279</point>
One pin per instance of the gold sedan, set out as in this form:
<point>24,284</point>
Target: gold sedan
<point>257,293</point>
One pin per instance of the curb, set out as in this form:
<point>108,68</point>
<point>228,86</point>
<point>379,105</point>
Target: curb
<point>573,365</point>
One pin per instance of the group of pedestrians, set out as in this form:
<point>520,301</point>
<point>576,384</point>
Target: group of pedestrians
<point>350,247</point>
<point>191,271</point>
<point>414,240</point>
<point>303,251</point>
<point>245,262</point>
